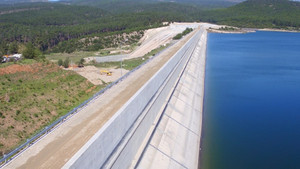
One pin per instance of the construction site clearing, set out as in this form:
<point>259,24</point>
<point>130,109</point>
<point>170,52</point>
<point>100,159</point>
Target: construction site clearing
<point>152,39</point>
<point>99,76</point>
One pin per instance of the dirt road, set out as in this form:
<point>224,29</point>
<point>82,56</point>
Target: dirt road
<point>154,38</point>
<point>54,150</point>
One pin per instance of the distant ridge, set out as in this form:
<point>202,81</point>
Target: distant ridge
<point>99,3</point>
<point>258,14</point>
<point>200,3</point>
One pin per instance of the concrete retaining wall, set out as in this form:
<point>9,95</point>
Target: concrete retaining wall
<point>98,150</point>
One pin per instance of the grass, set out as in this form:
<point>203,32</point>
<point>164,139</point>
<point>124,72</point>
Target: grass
<point>31,100</point>
<point>74,57</point>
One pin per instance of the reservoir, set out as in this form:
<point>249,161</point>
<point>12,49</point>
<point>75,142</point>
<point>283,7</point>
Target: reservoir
<point>251,116</point>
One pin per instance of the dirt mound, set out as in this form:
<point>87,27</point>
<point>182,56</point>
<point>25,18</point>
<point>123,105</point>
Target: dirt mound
<point>19,68</point>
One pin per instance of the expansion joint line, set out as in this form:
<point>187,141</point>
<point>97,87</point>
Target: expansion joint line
<point>168,156</point>
<point>181,124</point>
<point>189,105</point>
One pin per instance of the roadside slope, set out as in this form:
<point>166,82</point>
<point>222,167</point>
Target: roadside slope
<point>34,94</point>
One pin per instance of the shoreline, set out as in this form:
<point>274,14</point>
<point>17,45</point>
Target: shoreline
<point>248,30</point>
<point>277,30</point>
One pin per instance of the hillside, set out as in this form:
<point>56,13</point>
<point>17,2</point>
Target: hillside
<point>34,94</point>
<point>258,14</point>
<point>48,25</point>
<point>57,27</point>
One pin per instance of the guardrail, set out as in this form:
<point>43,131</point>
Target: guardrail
<point>13,154</point>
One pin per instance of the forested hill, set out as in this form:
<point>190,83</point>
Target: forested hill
<point>47,24</point>
<point>57,27</point>
<point>258,14</point>
<point>116,4</point>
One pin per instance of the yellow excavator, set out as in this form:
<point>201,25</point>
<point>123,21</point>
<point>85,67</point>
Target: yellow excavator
<point>108,73</point>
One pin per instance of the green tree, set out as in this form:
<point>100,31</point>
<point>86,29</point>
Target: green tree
<point>66,62</point>
<point>13,48</point>
<point>30,52</point>
<point>3,48</point>
<point>1,56</point>
<point>60,62</point>
<point>81,62</point>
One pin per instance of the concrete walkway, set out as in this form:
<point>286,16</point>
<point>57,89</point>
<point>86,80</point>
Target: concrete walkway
<point>175,142</point>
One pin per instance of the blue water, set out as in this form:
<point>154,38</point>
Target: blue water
<point>252,101</point>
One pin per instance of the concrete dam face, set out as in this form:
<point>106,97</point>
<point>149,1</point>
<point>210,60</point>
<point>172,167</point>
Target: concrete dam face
<point>160,126</point>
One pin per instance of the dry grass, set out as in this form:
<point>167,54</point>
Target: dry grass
<point>34,94</point>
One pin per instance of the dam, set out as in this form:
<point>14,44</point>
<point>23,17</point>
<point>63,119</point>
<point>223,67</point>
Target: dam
<point>169,107</point>
<point>158,126</point>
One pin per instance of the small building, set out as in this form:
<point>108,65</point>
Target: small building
<point>14,57</point>
<point>17,56</point>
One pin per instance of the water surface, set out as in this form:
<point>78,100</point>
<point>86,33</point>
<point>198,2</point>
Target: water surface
<point>252,101</point>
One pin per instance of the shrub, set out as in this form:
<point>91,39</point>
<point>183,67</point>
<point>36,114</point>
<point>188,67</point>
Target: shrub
<point>81,62</point>
<point>178,36</point>
<point>66,63</point>
<point>60,62</point>
<point>18,112</point>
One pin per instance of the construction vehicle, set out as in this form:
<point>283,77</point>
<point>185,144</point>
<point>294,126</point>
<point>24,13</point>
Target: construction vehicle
<point>108,73</point>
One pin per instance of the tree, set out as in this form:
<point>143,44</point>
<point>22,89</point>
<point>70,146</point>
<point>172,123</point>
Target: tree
<point>1,56</point>
<point>13,48</point>
<point>29,52</point>
<point>66,62</point>
<point>81,62</point>
<point>3,48</point>
<point>60,62</point>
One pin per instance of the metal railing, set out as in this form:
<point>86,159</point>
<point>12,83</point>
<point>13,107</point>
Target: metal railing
<point>16,152</point>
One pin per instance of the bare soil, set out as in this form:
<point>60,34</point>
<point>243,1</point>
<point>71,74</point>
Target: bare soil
<point>19,68</point>
<point>154,38</point>
<point>93,74</point>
